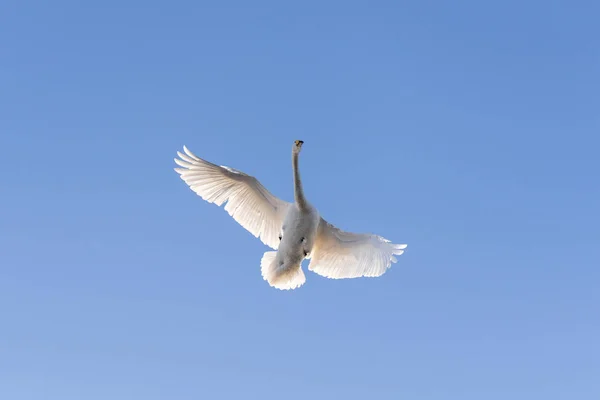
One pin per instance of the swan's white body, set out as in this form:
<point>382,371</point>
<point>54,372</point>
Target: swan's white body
<point>295,230</point>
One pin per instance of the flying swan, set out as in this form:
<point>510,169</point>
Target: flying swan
<point>295,230</point>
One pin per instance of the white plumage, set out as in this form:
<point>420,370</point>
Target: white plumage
<point>295,230</point>
<point>248,202</point>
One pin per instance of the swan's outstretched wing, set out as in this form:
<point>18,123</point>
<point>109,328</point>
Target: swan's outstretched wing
<point>248,202</point>
<point>337,254</point>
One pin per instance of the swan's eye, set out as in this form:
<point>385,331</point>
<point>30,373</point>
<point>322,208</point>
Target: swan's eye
<point>279,237</point>
<point>303,240</point>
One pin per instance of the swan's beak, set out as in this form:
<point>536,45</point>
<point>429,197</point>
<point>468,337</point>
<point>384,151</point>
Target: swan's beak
<point>299,143</point>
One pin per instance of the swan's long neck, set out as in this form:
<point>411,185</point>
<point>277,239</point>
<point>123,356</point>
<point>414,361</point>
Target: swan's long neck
<point>298,191</point>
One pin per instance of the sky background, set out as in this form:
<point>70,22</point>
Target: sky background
<point>467,129</point>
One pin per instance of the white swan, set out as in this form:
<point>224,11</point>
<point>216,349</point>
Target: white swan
<point>295,230</point>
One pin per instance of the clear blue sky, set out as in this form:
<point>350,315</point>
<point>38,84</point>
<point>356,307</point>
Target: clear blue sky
<point>468,130</point>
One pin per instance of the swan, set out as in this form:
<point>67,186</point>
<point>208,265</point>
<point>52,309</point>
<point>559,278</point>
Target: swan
<point>296,231</point>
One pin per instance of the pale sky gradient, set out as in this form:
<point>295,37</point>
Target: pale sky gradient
<point>467,129</point>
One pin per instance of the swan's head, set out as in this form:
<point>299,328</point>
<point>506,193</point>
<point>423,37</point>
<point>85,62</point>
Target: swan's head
<point>297,146</point>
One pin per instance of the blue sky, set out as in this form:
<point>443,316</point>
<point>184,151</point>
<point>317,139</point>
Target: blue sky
<point>468,130</point>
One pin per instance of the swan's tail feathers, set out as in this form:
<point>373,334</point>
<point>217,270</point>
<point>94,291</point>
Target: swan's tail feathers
<point>280,278</point>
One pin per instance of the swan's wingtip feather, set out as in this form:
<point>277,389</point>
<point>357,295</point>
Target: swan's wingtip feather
<point>182,163</point>
<point>189,153</point>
